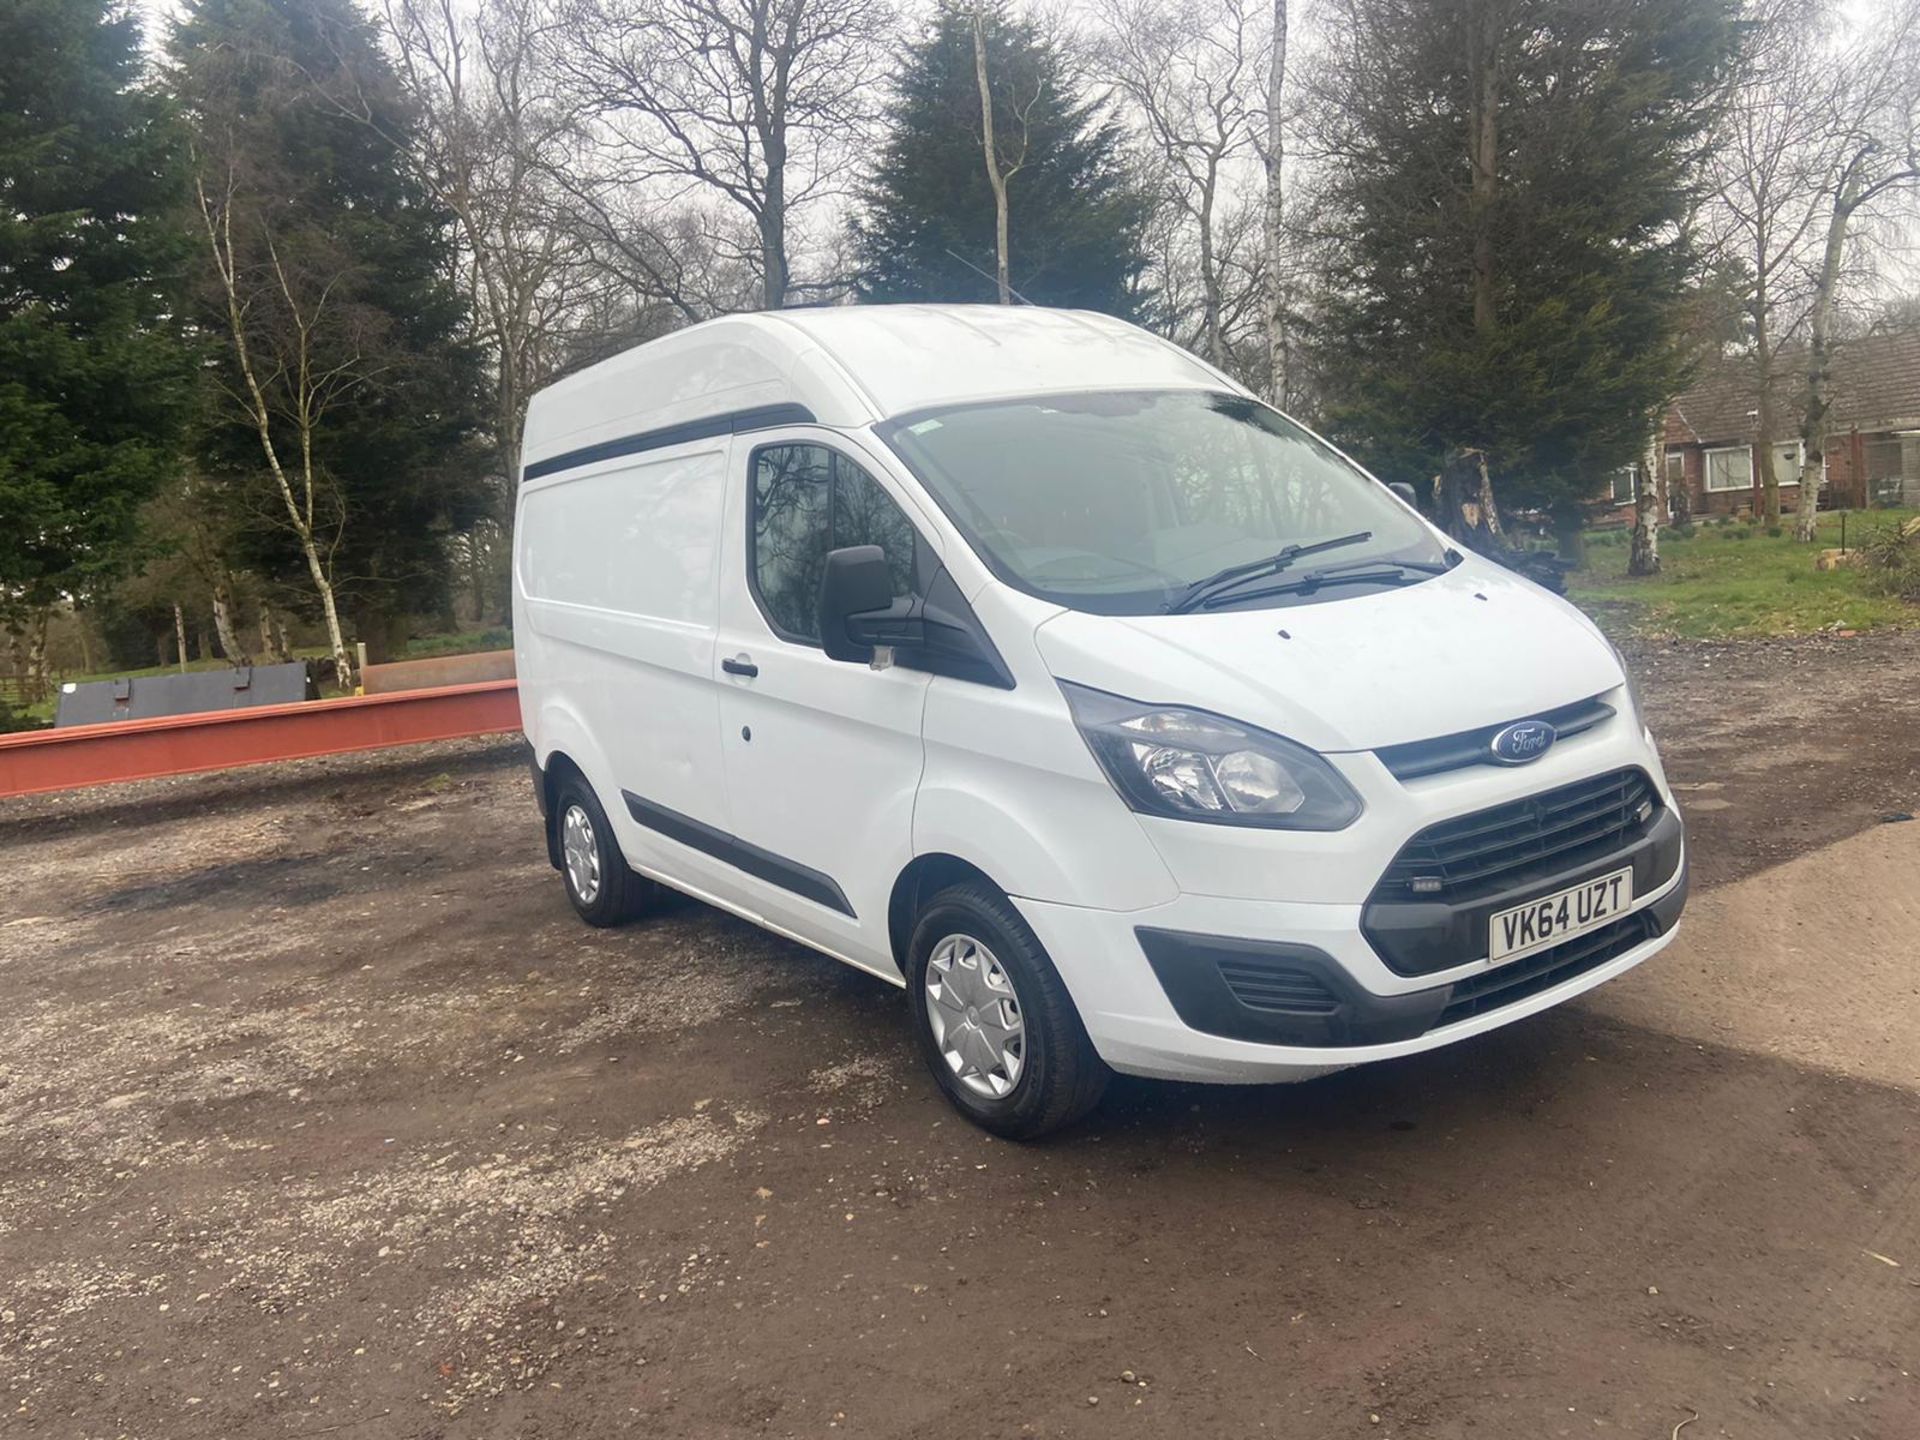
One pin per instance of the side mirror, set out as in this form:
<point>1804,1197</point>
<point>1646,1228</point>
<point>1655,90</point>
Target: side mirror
<point>1405,492</point>
<point>857,607</point>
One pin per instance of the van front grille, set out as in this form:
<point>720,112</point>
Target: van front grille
<point>1475,747</point>
<point>1508,845</point>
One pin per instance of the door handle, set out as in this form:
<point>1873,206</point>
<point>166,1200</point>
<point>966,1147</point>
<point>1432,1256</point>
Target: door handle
<point>740,665</point>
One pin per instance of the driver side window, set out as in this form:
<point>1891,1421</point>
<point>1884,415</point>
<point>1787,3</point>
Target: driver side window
<point>806,501</point>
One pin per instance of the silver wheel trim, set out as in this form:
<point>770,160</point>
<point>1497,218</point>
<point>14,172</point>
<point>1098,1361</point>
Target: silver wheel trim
<point>580,854</point>
<point>977,1019</point>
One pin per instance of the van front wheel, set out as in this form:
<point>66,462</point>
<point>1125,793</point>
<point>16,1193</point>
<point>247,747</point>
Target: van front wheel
<point>603,890</point>
<point>995,1024</point>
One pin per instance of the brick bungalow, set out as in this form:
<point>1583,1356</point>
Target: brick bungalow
<point>1873,431</point>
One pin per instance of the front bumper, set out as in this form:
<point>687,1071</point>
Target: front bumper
<point>1142,1024</point>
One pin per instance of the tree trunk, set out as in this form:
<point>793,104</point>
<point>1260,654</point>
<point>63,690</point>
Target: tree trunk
<point>273,645</point>
<point>1813,424</point>
<point>1483,140</point>
<point>180,636</point>
<point>37,653</point>
<point>1212,341</point>
<point>773,227</point>
<point>1276,212</point>
<point>477,576</point>
<point>1766,480</point>
<point>1644,558</point>
<point>1464,504</point>
<point>1002,271</point>
<point>223,625</point>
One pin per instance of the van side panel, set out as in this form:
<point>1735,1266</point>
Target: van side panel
<point>616,569</point>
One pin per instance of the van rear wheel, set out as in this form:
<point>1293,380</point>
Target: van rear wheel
<point>601,887</point>
<point>994,1021</point>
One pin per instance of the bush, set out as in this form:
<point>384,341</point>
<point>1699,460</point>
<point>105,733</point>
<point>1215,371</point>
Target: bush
<point>1892,558</point>
<point>1775,531</point>
<point>1682,530</point>
<point>1745,532</point>
<point>12,720</point>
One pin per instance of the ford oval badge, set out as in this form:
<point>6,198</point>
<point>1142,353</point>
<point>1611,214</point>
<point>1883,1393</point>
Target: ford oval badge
<point>1523,742</point>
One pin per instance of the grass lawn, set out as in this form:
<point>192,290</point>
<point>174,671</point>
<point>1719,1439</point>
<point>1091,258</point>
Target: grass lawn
<point>1737,580</point>
<point>466,642</point>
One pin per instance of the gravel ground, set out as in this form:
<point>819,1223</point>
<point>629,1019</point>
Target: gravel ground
<point>321,1114</point>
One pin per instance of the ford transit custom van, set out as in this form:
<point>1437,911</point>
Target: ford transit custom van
<point>1022,659</point>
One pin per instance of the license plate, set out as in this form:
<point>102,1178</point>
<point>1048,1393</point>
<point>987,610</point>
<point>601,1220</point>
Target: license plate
<point>1559,916</point>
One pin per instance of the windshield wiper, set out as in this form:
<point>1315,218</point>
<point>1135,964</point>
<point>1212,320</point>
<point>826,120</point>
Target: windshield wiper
<point>1211,585</point>
<point>1424,567</point>
<point>1394,573</point>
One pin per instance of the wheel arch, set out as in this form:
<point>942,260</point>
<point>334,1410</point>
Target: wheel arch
<point>925,876</point>
<point>560,768</point>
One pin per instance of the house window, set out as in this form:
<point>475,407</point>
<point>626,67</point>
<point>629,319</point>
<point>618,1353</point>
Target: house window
<point>1730,469</point>
<point>1786,463</point>
<point>1676,470</point>
<point>1623,483</point>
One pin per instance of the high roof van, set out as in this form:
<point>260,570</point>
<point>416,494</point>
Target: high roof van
<point>1025,661</point>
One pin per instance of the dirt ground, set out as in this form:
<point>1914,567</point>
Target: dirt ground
<point>320,1114</point>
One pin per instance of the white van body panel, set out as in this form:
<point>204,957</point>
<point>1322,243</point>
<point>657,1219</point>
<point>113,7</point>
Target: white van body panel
<point>816,768</point>
<point>1355,675</point>
<point>908,357</point>
<point>616,590</point>
<point>798,791</point>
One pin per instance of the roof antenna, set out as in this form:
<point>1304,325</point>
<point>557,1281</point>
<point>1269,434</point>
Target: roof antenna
<point>985,276</point>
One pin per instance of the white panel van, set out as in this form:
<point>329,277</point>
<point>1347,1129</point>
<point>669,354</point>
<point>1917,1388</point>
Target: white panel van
<point>1025,661</point>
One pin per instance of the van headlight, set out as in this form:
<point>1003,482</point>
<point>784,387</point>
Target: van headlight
<point>1189,765</point>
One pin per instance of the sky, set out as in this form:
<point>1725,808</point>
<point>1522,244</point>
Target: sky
<point>1900,264</point>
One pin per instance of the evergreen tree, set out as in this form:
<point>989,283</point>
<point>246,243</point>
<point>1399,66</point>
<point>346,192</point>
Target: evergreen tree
<point>1510,191</point>
<point>1075,217</point>
<point>342,264</point>
<point>94,378</point>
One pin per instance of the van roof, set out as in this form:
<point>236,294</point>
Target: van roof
<point>910,357</point>
<point>853,365</point>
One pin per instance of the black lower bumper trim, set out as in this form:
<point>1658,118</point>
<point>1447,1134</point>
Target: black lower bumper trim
<point>1278,993</point>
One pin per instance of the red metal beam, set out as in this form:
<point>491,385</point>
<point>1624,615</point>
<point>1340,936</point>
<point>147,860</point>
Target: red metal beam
<point>41,760</point>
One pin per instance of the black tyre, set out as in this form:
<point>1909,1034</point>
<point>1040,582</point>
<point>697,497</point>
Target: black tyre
<point>602,888</point>
<point>994,1021</point>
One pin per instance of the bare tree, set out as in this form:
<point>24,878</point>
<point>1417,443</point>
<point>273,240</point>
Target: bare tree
<point>1769,172</point>
<point>1276,210</point>
<point>1186,72</point>
<point>761,103</point>
<point>1000,168</point>
<point>295,352</point>
<point>1875,124</point>
<point>492,132</point>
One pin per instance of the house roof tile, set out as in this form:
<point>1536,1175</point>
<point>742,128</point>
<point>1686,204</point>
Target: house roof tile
<point>1876,387</point>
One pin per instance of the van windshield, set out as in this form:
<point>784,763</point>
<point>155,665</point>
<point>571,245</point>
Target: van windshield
<point>1121,503</point>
